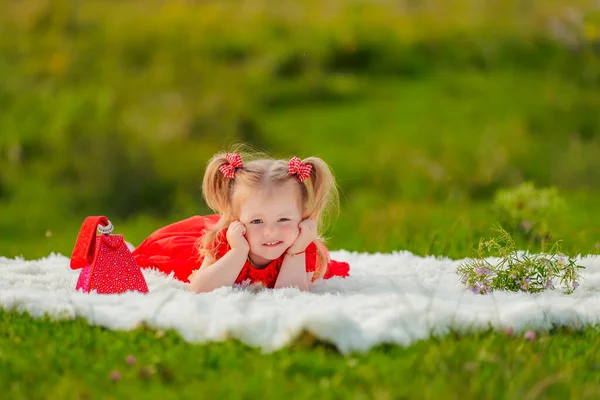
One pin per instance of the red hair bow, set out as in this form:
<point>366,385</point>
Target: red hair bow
<point>296,166</point>
<point>235,162</point>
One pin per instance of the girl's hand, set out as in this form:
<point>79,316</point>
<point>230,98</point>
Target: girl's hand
<point>235,236</point>
<point>308,234</point>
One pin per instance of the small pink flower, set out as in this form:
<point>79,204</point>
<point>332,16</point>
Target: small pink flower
<point>130,359</point>
<point>530,335</point>
<point>509,330</point>
<point>115,375</point>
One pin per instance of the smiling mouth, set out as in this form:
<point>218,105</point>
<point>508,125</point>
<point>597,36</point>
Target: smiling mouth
<point>272,244</point>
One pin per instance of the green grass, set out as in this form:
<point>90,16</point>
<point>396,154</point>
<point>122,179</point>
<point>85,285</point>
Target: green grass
<point>417,162</point>
<point>368,223</point>
<point>472,100</point>
<point>70,360</point>
<point>423,114</point>
<point>400,209</point>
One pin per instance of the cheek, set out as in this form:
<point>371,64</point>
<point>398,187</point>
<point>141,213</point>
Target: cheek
<point>290,231</point>
<point>252,232</point>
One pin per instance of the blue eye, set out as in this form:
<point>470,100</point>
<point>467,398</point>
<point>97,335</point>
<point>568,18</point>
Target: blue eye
<point>256,221</point>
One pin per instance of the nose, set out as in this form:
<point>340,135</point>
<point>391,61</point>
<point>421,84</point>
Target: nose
<point>269,230</point>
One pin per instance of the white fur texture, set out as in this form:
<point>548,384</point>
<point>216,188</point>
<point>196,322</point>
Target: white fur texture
<point>390,298</point>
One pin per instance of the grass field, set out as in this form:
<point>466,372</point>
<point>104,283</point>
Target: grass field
<point>44,359</point>
<point>73,361</point>
<point>423,121</point>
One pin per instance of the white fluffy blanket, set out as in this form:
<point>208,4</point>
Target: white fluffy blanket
<point>390,298</point>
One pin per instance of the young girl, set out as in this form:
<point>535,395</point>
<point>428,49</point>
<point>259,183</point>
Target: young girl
<point>265,233</point>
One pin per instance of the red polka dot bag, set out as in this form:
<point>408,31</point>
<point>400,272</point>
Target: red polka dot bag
<point>107,265</point>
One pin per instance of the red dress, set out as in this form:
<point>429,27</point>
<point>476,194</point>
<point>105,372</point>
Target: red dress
<point>173,248</point>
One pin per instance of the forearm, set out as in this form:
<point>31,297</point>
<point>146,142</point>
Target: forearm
<point>293,273</point>
<point>223,272</point>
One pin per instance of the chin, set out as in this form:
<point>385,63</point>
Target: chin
<point>272,255</point>
<point>269,254</point>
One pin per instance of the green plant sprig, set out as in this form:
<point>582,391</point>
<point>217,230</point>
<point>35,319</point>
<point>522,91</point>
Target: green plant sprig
<point>517,271</point>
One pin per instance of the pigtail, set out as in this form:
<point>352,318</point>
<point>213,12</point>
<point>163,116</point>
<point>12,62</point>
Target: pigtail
<point>321,190</point>
<point>217,190</point>
<point>322,197</point>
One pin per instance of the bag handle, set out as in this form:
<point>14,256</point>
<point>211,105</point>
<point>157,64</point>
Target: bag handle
<point>83,252</point>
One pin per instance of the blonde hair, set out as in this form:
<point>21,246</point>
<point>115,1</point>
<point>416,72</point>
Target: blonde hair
<point>318,194</point>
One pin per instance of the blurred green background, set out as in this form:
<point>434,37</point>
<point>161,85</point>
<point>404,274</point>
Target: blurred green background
<point>423,109</point>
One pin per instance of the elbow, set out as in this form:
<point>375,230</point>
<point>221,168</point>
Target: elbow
<point>205,281</point>
<point>196,288</point>
<point>303,286</point>
<point>200,286</point>
<point>202,289</point>
<point>205,286</point>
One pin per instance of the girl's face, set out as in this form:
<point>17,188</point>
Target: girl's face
<point>271,219</point>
